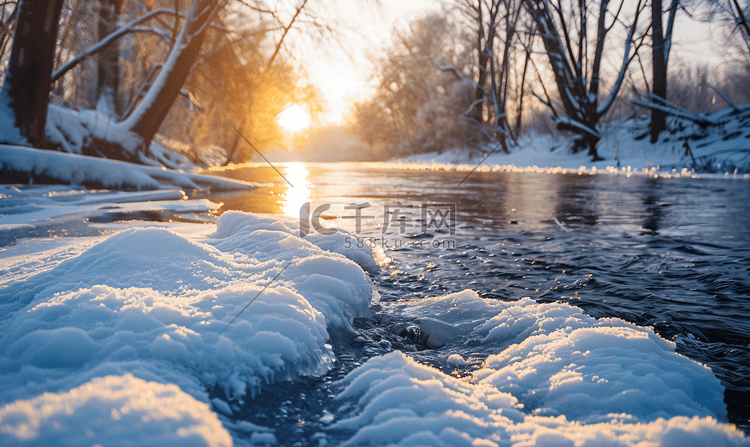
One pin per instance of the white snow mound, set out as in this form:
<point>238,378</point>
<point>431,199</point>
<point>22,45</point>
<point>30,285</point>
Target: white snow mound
<point>551,376</point>
<point>398,402</point>
<point>162,307</point>
<point>113,411</point>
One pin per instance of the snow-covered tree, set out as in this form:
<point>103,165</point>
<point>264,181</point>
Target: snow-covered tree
<point>24,96</point>
<point>424,87</point>
<point>502,41</point>
<point>575,60</point>
<point>230,78</point>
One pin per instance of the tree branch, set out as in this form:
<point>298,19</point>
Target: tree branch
<point>127,28</point>
<point>674,110</point>
<point>286,31</point>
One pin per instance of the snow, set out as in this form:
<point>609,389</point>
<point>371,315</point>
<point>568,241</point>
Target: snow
<point>557,360</point>
<point>568,363</point>
<point>721,150</point>
<point>71,129</point>
<point>8,130</point>
<point>28,207</point>
<point>113,411</point>
<point>554,376</point>
<point>157,305</point>
<point>81,170</point>
<point>117,340</point>
<point>399,402</point>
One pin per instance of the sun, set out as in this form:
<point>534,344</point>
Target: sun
<point>293,119</point>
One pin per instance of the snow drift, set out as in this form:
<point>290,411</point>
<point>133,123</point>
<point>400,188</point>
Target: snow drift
<point>43,166</point>
<point>113,411</point>
<point>145,336</point>
<point>157,305</point>
<point>399,402</point>
<point>551,376</point>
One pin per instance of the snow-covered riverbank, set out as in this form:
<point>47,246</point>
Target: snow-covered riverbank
<point>28,165</point>
<point>716,151</point>
<point>130,338</point>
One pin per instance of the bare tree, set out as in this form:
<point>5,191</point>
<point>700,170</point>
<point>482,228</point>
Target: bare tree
<point>29,71</point>
<point>108,79</point>
<point>661,42</point>
<point>475,11</point>
<point>741,15</point>
<point>425,87</point>
<point>8,11</point>
<point>576,62</point>
<point>495,23</point>
<point>268,65</point>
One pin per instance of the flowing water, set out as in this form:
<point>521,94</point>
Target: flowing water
<point>672,254</point>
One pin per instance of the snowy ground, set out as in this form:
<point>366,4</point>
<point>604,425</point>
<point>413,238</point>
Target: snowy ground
<point>720,151</point>
<point>42,166</point>
<point>117,339</point>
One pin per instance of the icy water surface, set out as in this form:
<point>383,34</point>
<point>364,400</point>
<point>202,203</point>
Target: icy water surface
<point>673,254</point>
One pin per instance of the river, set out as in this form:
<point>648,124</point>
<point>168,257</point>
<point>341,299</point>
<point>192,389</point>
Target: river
<point>668,253</point>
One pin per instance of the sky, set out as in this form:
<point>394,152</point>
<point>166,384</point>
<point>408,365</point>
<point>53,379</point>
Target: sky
<point>342,77</point>
<point>342,72</point>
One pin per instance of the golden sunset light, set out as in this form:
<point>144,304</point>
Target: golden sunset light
<point>294,119</point>
<point>382,223</point>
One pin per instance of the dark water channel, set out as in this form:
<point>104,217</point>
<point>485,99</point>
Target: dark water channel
<point>672,254</point>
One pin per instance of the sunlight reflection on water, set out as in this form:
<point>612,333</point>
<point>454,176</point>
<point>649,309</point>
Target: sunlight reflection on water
<point>668,253</point>
<point>295,196</point>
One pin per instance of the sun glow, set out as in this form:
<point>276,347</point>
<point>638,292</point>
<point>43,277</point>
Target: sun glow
<point>293,119</point>
<point>298,195</point>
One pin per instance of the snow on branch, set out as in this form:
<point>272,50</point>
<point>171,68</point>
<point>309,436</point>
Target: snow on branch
<point>471,107</point>
<point>125,29</point>
<point>626,59</point>
<point>565,123</point>
<point>164,34</point>
<point>459,75</point>
<point>674,110</point>
<point>545,102</point>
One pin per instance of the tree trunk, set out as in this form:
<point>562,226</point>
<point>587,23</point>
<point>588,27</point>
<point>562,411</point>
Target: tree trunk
<point>519,113</point>
<point>108,79</point>
<point>27,78</point>
<point>148,115</point>
<point>659,81</point>
<point>482,60</point>
<point>505,75</point>
<point>235,144</point>
<point>7,32</point>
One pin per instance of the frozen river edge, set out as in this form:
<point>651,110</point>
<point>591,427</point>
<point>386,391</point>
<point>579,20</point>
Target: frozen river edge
<point>126,333</point>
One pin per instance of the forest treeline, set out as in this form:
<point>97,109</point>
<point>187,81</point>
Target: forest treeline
<point>110,77</point>
<point>484,71</point>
